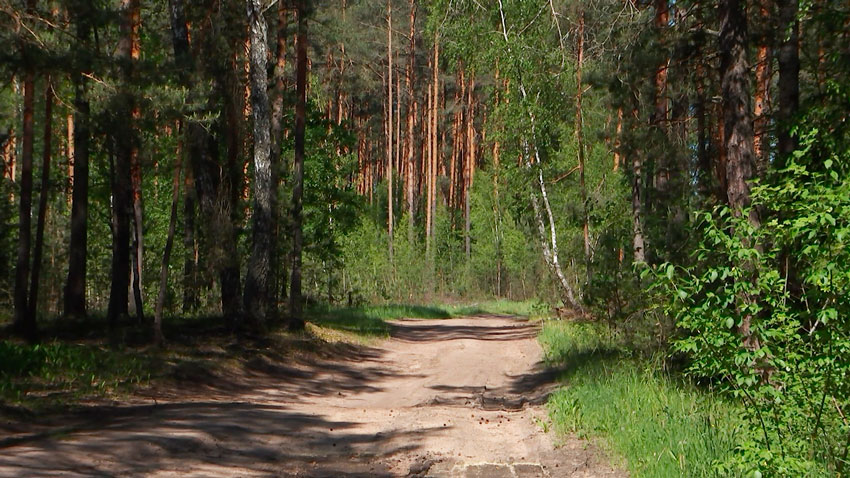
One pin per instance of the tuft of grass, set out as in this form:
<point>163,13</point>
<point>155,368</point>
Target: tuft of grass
<point>659,425</point>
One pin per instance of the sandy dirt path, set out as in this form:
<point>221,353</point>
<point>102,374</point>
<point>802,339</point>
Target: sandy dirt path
<point>441,398</point>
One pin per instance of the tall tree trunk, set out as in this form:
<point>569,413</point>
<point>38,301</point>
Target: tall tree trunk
<point>296,312</point>
<point>390,129</point>
<point>24,324</point>
<point>470,166</point>
<point>166,254</point>
<point>42,200</point>
<point>411,116</point>
<point>258,306</point>
<point>789,78</point>
<point>278,166</point>
<point>761,91</point>
<point>738,125</point>
<point>75,285</point>
<point>128,52</point>
<point>138,233</point>
<point>737,111</point>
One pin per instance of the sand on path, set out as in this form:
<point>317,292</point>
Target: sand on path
<point>441,398</point>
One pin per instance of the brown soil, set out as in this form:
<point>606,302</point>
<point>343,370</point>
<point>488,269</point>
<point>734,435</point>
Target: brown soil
<point>441,398</point>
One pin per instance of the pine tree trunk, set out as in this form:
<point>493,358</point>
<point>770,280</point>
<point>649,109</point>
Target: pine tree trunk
<point>278,167</point>
<point>296,313</point>
<point>75,285</point>
<point>737,112</point>
<point>789,78</point>
<point>411,116</point>
<point>738,126</point>
<point>122,190</point>
<point>761,92</point>
<point>258,307</point>
<point>389,172</point>
<point>23,324</point>
<point>470,166</point>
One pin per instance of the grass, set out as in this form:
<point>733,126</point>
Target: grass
<point>658,425</point>
<point>62,372</point>
<point>370,321</point>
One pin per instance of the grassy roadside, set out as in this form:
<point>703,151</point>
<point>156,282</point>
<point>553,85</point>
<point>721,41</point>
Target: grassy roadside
<point>656,425</point>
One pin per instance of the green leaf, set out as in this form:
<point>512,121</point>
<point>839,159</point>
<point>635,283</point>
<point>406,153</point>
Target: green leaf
<point>730,322</point>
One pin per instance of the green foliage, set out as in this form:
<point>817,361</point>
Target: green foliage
<point>789,278</point>
<point>661,427</point>
<point>63,368</point>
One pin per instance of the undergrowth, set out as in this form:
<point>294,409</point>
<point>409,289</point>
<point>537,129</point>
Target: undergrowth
<point>658,425</point>
<point>66,371</point>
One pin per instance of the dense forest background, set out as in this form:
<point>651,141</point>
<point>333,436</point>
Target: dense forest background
<point>678,170</point>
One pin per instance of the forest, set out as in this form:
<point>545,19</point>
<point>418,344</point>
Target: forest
<point>663,185</point>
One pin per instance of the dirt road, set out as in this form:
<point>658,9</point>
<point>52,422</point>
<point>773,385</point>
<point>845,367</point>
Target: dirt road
<point>441,398</point>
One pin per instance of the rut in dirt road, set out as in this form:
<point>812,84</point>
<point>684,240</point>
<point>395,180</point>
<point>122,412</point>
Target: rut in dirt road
<point>441,398</point>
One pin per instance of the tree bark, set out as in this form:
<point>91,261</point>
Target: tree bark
<point>738,126</point>
<point>470,166</point>
<point>75,285</point>
<point>390,129</point>
<point>122,189</point>
<point>24,324</point>
<point>761,91</point>
<point>278,166</point>
<point>737,111</point>
<point>789,79</point>
<point>258,307</point>
<point>296,312</point>
<point>411,116</point>
<point>638,241</point>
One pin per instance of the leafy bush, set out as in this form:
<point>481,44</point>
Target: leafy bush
<point>789,281</point>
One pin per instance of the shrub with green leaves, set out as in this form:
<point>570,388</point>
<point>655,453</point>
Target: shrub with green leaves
<point>791,277</point>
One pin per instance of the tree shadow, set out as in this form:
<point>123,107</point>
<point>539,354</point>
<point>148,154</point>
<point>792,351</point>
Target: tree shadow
<point>218,438</point>
<point>418,331</point>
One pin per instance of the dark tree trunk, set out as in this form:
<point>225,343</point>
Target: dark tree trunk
<point>258,307</point>
<point>24,324</point>
<point>789,78</point>
<point>738,135</point>
<point>75,286</point>
<point>122,207</point>
<point>42,200</point>
<point>278,167</point>
<point>296,312</point>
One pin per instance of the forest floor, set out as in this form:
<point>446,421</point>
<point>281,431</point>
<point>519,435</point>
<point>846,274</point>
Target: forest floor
<point>458,397</point>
